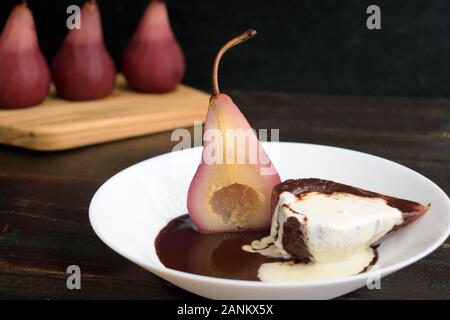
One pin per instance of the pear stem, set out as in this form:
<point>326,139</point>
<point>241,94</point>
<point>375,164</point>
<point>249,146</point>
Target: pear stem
<point>250,33</point>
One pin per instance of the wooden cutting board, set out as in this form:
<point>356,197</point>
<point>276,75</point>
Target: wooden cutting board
<point>59,124</point>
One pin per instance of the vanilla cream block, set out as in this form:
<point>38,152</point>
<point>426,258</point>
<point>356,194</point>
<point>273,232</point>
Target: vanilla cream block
<point>321,229</point>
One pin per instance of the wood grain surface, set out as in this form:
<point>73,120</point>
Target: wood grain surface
<point>44,197</point>
<point>60,124</point>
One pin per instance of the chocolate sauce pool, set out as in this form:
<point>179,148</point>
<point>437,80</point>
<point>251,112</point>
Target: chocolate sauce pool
<point>179,246</point>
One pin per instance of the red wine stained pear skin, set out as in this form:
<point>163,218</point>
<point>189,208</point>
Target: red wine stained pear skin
<point>153,61</point>
<point>83,68</point>
<point>24,73</point>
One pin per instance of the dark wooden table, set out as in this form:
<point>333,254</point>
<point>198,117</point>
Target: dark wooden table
<point>44,197</point>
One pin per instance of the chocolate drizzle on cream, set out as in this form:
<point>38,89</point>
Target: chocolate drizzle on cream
<point>294,241</point>
<point>410,210</point>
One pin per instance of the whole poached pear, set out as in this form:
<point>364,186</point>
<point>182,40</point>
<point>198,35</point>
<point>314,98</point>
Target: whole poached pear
<point>24,72</point>
<point>83,69</point>
<point>153,61</point>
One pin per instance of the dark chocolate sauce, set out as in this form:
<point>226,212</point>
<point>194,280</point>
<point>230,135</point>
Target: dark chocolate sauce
<point>294,240</point>
<point>179,246</point>
<point>374,260</point>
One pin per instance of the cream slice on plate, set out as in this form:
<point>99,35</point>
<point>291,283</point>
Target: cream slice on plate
<point>322,229</point>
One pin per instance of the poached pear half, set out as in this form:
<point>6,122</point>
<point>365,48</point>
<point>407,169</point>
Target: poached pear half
<point>232,186</point>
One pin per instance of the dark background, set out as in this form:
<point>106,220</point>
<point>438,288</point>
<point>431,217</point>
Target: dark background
<point>303,46</point>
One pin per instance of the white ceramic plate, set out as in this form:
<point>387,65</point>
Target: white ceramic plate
<point>129,210</point>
